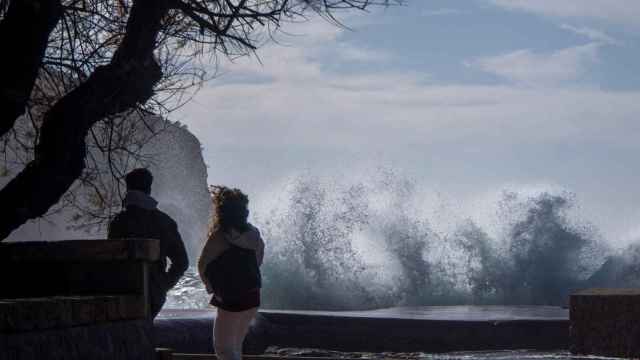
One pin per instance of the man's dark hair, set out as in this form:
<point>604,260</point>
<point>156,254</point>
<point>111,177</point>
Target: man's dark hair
<point>139,179</point>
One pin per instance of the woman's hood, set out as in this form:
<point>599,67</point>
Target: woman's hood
<point>249,239</point>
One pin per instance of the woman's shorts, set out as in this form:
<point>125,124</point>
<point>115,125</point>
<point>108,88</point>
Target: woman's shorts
<point>247,301</point>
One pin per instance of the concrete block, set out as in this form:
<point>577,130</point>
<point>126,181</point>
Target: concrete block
<point>605,322</point>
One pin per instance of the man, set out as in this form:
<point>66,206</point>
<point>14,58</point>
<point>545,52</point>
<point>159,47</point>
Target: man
<point>140,218</point>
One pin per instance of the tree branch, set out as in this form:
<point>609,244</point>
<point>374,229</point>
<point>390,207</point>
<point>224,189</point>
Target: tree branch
<point>23,47</point>
<point>60,155</point>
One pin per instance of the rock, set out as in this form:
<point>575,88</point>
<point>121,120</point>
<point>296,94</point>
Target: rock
<point>180,183</point>
<point>180,186</point>
<point>618,271</point>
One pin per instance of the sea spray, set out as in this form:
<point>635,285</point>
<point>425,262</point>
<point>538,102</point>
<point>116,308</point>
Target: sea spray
<point>380,242</point>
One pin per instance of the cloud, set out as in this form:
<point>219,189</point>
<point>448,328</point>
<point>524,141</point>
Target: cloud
<point>390,110</point>
<point>442,12</point>
<point>625,12</point>
<point>592,34</point>
<point>397,114</point>
<point>254,133</point>
<point>357,54</point>
<point>299,55</point>
<point>540,69</point>
<point>308,114</point>
<point>304,103</point>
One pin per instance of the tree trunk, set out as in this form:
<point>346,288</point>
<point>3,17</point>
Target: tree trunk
<point>24,34</point>
<point>59,158</point>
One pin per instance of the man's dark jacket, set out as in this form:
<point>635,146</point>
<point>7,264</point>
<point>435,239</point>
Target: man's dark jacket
<point>137,222</point>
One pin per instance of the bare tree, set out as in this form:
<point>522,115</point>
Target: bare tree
<point>81,68</point>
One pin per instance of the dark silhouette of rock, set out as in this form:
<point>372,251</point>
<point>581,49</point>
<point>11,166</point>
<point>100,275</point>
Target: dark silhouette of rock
<point>180,186</point>
<point>180,183</point>
<point>618,271</point>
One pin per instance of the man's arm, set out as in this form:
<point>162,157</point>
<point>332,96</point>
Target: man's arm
<point>114,231</point>
<point>177,253</point>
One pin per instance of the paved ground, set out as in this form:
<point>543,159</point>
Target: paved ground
<point>473,355</point>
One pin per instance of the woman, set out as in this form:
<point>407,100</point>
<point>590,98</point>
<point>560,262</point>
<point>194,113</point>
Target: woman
<point>229,266</point>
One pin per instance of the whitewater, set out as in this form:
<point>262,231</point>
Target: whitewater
<point>383,240</point>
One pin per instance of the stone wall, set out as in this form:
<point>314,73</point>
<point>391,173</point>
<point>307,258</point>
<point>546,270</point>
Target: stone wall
<point>606,322</point>
<point>370,334</point>
<point>106,340</point>
<point>76,300</point>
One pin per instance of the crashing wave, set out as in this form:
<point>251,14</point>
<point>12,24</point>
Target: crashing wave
<point>379,243</point>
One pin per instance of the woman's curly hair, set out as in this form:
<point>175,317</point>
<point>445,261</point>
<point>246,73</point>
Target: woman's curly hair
<point>230,209</point>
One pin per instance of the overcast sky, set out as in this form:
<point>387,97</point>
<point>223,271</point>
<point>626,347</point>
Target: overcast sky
<point>463,97</point>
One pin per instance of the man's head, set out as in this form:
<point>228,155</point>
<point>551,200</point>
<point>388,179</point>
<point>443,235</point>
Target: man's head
<point>139,179</point>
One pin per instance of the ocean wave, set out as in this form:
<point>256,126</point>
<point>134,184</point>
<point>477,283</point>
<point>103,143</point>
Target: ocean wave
<point>382,242</point>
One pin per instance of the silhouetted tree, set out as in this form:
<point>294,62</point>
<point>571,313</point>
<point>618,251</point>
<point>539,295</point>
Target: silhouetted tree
<point>72,64</point>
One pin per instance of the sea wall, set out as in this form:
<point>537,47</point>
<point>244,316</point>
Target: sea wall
<point>428,329</point>
<point>344,333</point>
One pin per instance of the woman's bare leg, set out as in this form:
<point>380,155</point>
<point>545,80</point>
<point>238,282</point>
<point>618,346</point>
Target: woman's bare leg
<point>242,328</point>
<point>224,335</point>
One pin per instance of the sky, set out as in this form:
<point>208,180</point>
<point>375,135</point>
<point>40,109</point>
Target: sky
<point>464,97</point>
